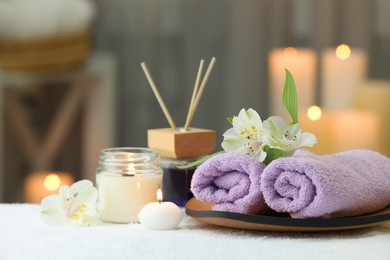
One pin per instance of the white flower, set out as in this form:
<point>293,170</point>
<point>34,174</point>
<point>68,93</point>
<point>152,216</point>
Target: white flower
<point>279,134</point>
<point>245,135</point>
<point>75,205</point>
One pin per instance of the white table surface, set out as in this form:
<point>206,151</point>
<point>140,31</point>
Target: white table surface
<point>24,236</point>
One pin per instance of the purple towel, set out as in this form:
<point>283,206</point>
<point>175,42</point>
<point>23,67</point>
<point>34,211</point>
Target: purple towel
<point>349,183</point>
<point>231,182</point>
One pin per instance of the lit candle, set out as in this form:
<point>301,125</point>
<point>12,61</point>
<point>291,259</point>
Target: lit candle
<point>127,179</point>
<point>302,65</point>
<point>342,130</point>
<point>355,129</point>
<point>160,215</point>
<point>41,184</point>
<point>319,123</point>
<point>343,70</point>
<point>375,96</point>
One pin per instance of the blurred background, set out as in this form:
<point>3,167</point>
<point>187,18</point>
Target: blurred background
<point>71,81</point>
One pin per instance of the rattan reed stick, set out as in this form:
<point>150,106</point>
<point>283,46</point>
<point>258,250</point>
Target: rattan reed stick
<point>158,96</point>
<point>194,94</point>
<point>201,89</point>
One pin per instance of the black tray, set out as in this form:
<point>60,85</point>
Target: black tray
<point>203,211</point>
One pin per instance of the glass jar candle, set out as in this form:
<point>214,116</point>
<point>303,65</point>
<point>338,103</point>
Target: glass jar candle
<point>127,179</point>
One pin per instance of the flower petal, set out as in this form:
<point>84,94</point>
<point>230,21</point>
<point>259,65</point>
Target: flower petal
<point>307,139</point>
<point>234,145</point>
<point>243,116</point>
<point>230,134</point>
<point>275,126</point>
<point>80,185</point>
<point>84,197</point>
<point>254,117</point>
<point>87,197</point>
<point>75,205</point>
<point>89,220</point>
<point>262,155</point>
<point>53,210</point>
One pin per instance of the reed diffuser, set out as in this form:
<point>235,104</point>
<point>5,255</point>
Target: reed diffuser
<point>180,146</point>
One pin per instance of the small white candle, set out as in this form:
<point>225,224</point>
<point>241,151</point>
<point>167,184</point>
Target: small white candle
<point>343,69</point>
<point>160,215</point>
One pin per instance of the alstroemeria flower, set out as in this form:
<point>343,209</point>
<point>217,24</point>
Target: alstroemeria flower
<point>279,134</point>
<point>245,135</point>
<point>75,205</point>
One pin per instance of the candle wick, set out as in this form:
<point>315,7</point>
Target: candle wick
<point>159,201</point>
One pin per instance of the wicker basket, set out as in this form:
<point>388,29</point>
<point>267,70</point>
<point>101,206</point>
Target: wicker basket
<point>44,54</point>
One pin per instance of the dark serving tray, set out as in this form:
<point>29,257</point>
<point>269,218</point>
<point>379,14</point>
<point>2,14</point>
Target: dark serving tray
<point>203,211</point>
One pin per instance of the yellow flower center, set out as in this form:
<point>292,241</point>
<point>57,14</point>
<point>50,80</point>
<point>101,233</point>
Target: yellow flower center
<point>249,133</point>
<point>78,212</point>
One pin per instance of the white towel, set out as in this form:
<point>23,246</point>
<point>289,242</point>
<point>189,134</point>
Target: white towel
<point>24,236</point>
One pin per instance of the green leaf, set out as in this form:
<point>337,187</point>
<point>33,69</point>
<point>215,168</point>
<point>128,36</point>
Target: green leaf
<point>200,161</point>
<point>290,98</point>
<point>230,120</point>
<point>272,154</point>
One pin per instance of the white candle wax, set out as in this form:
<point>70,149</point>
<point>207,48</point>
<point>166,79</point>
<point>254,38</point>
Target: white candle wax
<point>343,130</point>
<point>160,215</point>
<point>374,95</point>
<point>342,73</point>
<point>122,197</point>
<point>355,129</point>
<point>302,65</point>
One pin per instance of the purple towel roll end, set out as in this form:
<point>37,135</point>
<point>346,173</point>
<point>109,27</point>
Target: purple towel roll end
<point>231,182</point>
<point>349,183</point>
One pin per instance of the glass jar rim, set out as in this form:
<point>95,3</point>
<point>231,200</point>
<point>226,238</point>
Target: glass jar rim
<point>135,150</point>
<point>129,154</point>
<point>129,161</point>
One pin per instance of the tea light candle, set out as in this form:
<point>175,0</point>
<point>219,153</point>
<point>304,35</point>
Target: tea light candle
<point>41,184</point>
<point>160,215</point>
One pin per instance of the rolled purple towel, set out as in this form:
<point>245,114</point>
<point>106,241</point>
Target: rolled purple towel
<point>344,184</point>
<point>231,182</point>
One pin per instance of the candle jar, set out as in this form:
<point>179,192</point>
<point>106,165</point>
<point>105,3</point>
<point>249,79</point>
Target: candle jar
<point>127,179</point>
<point>177,182</point>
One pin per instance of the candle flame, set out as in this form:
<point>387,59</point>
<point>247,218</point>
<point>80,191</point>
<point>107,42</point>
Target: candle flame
<point>343,51</point>
<point>159,195</point>
<point>314,113</point>
<point>52,182</point>
<point>131,168</point>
